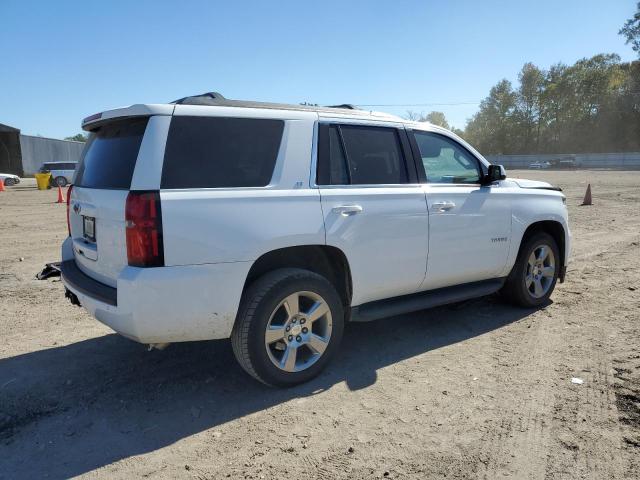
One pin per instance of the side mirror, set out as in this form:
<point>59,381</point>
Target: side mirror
<point>495,173</point>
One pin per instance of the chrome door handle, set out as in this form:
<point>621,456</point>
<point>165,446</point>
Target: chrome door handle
<point>347,210</point>
<point>443,206</point>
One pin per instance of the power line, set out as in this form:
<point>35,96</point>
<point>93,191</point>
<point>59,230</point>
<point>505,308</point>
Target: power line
<point>441,103</point>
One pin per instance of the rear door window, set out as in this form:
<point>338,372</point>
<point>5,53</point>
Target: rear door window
<point>332,164</point>
<point>110,155</point>
<point>360,155</point>
<point>219,152</point>
<point>374,155</point>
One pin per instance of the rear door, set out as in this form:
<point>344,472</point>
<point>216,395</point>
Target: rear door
<point>374,210</point>
<point>98,198</point>
<point>469,223</point>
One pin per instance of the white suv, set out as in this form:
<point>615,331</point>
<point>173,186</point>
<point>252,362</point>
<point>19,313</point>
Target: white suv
<point>275,225</point>
<point>61,172</point>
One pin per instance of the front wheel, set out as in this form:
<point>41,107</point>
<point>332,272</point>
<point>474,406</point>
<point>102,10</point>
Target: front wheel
<point>9,182</point>
<point>289,325</point>
<point>534,275</point>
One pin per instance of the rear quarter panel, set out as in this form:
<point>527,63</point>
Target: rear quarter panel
<point>215,225</point>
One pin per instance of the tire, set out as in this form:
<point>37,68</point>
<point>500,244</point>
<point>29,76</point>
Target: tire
<point>60,182</point>
<point>522,287</point>
<point>9,182</point>
<point>266,305</point>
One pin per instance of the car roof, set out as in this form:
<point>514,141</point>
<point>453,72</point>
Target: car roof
<point>214,99</point>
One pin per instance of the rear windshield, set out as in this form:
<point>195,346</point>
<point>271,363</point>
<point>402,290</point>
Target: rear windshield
<point>110,155</point>
<point>215,152</point>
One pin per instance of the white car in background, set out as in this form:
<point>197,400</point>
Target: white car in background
<point>61,172</point>
<point>274,225</point>
<point>539,165</point>
<point>9,179</point>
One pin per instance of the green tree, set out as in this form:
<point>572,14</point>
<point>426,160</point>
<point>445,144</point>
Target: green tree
<point>631,30</point>
<point>491,129</point>
<point>437,118</point>
<point>590,106</point>
<point>80,137</point>
<point>528,112</point>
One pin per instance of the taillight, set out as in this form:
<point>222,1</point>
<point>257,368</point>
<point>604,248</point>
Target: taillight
<point>68,206</point>
<point>144,229</point>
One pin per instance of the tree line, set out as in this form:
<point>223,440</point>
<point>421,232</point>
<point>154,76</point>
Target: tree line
<point>590,106</point>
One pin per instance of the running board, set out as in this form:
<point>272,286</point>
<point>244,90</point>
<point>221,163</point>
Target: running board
<point>423,300</point>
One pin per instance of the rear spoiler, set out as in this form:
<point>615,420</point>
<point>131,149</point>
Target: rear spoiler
<point>140,110</point>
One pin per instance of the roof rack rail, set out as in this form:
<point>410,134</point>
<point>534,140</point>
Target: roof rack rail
<point>218,100</point>
<point>347,106</point>
<point>202,99</point>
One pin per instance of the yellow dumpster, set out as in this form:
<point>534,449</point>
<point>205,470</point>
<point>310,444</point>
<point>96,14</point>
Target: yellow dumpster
<point>43,180</point>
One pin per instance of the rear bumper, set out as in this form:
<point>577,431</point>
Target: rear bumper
<point>78,281</point>
<point>165,304</point>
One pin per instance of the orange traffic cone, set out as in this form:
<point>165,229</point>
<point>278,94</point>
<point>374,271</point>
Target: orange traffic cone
<point>587,196</point>
<point>60,197</point>
<point>1,185</point>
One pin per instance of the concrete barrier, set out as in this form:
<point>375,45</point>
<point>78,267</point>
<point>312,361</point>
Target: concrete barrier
<point>616,161</point>
<point>38,150</point>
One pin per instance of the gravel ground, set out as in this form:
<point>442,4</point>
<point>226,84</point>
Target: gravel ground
<point>473,390</point>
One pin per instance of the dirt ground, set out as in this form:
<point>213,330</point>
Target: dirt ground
<point>473,390</point>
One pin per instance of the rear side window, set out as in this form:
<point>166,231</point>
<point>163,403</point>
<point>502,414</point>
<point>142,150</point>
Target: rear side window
<point>110,155</point>
<point>360,155</point>
<point>218,152</point>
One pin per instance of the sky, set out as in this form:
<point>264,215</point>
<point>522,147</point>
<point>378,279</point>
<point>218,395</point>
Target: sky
<point>64,60</point>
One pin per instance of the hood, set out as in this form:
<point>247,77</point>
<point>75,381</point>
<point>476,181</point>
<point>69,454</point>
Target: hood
<point>523,183</point>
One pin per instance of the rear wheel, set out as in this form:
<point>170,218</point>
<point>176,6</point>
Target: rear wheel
<point>534,275</point>
<point>60,181</point>
<point>289,325</point>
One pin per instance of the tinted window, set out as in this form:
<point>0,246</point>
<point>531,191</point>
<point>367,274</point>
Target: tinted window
<point>110,155</point>
<point>209,152</point>
<point>332,164</point>
<point>374,155</point>
<point>445,161</point>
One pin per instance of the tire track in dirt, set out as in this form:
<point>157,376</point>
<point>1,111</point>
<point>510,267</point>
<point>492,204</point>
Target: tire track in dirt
<point>588,428</point>
<point>522,443</point>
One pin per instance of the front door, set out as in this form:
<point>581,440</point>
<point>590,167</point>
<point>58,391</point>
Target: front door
<point>469,224</point>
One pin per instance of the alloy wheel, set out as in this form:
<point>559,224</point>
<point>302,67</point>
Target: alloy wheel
<point>298,331</point>
<point>541,270</point>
